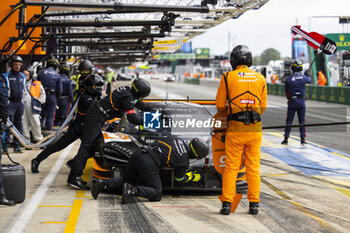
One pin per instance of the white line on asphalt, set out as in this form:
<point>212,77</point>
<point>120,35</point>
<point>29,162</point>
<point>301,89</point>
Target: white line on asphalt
<point>26,215</point>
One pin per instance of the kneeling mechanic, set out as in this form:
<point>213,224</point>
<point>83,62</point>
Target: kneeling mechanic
<point>143,179</point>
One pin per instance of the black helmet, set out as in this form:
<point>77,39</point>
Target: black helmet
<point>241,55</point>
<point>140,88</point>
<point>53,62</point>
<point>16,58</point>
<point>93,84</point>
<point>64,68</point>
<point>85,65</point>
<point>199,149</point>
<point>296,66</point>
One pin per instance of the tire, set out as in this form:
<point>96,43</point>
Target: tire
<point>14,182</point>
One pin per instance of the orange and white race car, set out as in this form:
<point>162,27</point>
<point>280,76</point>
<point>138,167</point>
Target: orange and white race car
<point>186,120</point>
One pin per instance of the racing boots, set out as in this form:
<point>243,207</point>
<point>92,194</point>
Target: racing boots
<point>226,208</point>
<point>77,182</point>
<point>35,166</point>
<point>253,208</point>
<point>97,187</point>
<point>129,192</point>
<point>285,141</point>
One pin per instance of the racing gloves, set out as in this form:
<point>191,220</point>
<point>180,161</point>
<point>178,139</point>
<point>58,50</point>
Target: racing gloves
<point>193,176</point>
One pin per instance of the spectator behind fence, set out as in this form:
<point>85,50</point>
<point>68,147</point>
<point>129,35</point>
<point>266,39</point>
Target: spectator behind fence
<point>321,79</point>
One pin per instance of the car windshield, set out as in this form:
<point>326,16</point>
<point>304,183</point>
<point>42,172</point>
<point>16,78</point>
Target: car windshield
<point>185,120</point>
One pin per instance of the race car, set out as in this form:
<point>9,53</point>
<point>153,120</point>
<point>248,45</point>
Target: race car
<point>186,120</point>
<point>169,78</point>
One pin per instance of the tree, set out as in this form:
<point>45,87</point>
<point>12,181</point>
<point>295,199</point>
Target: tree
<point>256,60</point>
<point>268,55</point>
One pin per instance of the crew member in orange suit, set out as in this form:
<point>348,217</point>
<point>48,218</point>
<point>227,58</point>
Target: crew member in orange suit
<point>274,78</point>
<point>244,92</point>
<point>321,79</point>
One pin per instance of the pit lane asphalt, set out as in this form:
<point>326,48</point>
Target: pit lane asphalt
<point>299,193</point>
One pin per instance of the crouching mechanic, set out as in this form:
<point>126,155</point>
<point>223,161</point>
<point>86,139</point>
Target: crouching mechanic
<point>94,84</point>
<point>121,100</point>
<point>143,179</point>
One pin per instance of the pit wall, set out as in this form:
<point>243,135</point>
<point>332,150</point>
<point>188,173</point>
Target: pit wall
<point>339,95</point>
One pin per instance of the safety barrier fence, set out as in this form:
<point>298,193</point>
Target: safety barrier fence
<point>340,95</point>
<point>191,81</point>
<point>209,82</point>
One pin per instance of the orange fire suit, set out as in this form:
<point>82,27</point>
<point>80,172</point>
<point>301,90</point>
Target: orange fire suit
<point>247,90</point>
<point>274,78</point>
<point>321,79</point>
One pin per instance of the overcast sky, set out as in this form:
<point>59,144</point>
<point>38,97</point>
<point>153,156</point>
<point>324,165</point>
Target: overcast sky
<point>269,27</point>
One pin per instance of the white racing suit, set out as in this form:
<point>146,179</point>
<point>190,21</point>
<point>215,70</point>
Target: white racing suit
<point>31,120</point>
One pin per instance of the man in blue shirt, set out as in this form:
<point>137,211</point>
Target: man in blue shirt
<point>52,84</point>
<point>294,87</point>
<point>66,98</point>
<point>3,118</point>
<point>15,82</point>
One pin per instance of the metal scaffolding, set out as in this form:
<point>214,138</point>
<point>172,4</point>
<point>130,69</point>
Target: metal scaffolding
<point>88,25</point>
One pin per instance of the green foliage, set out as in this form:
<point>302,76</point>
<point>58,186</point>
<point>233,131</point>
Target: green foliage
<point>256,60</point>
<point>269,54</point>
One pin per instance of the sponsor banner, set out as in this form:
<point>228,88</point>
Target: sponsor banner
<point>341,40</point>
